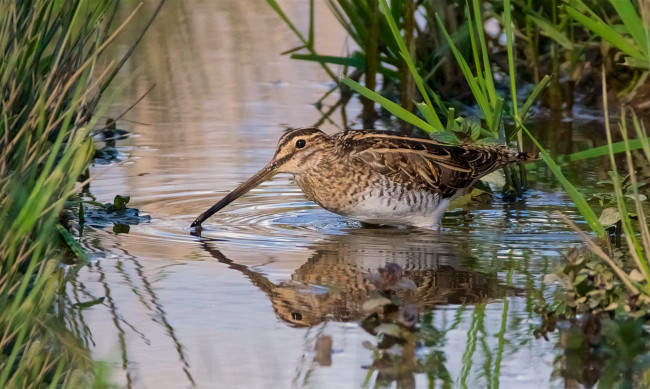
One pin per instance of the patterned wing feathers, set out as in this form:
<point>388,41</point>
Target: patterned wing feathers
<point>428,164</point>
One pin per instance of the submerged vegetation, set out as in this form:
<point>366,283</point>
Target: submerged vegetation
<point>52,89</point>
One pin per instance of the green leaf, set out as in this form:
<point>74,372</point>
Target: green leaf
<point>355,62</point>
<point>481,98</point>
<point>637,63</point>
<point>120,202</point>
<point>606,32</point>
<point>486,73</point>
<point>389,329</point>
<point>609,216</point>
<point>633,22</point>
<point>547,28</point>
<point>72,244</point>
<point>88,304</point>
<point>617,147</point>
<point>533,95</point>
<point>576,196</point>
<point>432,116</point>
<point>426,113</point>
<point>579,278</point>
<point>475,129</point>
<point>390,106</point>
<point>447,137</point>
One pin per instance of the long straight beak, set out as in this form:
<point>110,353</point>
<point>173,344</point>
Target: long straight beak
<point>267,172</point>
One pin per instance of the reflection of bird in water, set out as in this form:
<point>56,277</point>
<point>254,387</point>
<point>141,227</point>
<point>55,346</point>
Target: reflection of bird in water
<point>377,177</point>
<point>333,283</point>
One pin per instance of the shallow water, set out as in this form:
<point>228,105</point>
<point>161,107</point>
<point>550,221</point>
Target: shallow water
<point>244,305</point>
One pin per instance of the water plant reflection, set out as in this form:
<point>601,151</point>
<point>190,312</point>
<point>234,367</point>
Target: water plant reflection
<point>142,288</point>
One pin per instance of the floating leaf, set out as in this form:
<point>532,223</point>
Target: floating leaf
<point>120,202</point>
<point>88,304</point>
<point>609,216</point>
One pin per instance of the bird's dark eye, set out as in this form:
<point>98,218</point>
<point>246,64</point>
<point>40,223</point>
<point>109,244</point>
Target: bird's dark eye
<point>296,315</point>
<point>300,143</point>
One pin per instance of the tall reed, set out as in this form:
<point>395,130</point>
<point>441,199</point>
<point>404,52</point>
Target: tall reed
<point>50,86</point>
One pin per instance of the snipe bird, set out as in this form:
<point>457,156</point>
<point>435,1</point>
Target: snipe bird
<point>377,177</point>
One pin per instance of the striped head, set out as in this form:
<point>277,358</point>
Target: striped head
<point>299,148</point>
<point>296,150</point>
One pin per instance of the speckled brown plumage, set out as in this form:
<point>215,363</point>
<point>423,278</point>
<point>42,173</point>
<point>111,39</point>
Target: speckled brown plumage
<point>378,177</point>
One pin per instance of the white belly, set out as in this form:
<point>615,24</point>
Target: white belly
<point>420,210</point>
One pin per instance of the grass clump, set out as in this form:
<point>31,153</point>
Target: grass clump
<point>569,39</point>
<point>50,88</point>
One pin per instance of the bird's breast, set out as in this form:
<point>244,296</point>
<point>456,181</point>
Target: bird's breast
<point>372,198</point>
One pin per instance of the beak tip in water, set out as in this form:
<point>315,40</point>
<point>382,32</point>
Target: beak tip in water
<point>252,182</point>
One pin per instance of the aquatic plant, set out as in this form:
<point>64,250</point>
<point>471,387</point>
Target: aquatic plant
<point>558,39</point>
<point>605,293</point>
<point>632,37</point>
<point>51,88</point>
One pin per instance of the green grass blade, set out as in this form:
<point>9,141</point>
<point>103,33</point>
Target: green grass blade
<point>498,111</point>
<point>510,40</point>
<point>576,196</point>
<point>630,236</point>
<point>472,37</point>
<point>354,62</point>
<point>432,115</point>
<point>390,106</point>
<point>426,112</point>
<point>310,36</point>
<point>533,96</point>
<point>641,135</point>
<point>601,151</point>
<point>639,248</point>
<point>548,29</point>
<point>278,10</point>
<point>356,19</point>
<point>343,21</point>
<point>439,103</point>
<point>308,45</point>
<point>486,74</point>
<point>632,22</point>
<point>606,32</point>
<point>481,98</point>
<point>637,63</point>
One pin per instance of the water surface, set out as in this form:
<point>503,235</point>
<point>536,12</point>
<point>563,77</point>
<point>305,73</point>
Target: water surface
<point>244,305</point>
